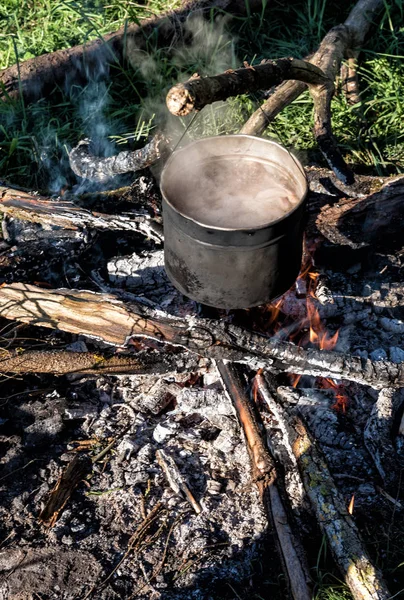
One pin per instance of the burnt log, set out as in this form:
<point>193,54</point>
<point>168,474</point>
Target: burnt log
<point>369,221</point>
<point>38,76</point>
<point>378,437</point>
<point>104,317</point>
<point>62,213</point>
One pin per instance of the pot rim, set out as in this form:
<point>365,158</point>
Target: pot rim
<point>214,227</point>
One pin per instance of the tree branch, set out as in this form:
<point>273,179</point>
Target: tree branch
<point>197,92</point>
<point>103,316</point>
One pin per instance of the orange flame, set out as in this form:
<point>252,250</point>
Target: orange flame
<point>341,399</point>
<point>351,505</point>
<point>254,387</point>
<point>318,333</point>
<point>294,379</point>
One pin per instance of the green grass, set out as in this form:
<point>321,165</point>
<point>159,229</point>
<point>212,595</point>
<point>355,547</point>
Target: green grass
<point>123,108</point>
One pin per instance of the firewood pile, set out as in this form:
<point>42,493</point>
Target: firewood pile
<point>153,447</point>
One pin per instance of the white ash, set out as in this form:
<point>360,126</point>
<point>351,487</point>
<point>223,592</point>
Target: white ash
<point>139,271</point>
<point>143,273</point>
<point>80,411</point>
<point>146,393</point>
<point>161,433</point>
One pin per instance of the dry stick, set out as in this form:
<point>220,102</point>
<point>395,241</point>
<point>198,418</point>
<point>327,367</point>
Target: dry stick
<point>62,362</point>
<point>363,579</point>
<point>349,78</point>
<point>39,76</point>
<point>264,474</point>
<point>175,479</point>
<point>339,42</point>
<point>103,316</point>
<point>61,213</point>
<point>197,92</point>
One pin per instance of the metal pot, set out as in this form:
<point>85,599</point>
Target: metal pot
<point>230,266</point>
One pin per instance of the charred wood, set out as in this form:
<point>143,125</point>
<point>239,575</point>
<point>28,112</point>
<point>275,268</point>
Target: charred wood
<point>279,436</point>
<point>40,75</point>
<point>104,317</point>
<point>88,166</point>
<point>66,214</point>
<point>235,386</point>
<point>75,472</point>
<point>378,436</point>
<point>369,221</point>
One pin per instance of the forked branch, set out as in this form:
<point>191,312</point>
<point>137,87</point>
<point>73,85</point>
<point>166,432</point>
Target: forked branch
<point>198,92</point>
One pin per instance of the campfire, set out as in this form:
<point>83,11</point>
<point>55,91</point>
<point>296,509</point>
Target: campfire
<point>167,445</point>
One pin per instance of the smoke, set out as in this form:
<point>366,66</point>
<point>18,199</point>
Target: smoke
<point>90,114</point>
<point>205,47</point>
<point>230,192</point>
